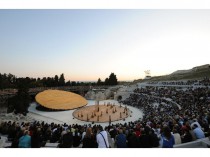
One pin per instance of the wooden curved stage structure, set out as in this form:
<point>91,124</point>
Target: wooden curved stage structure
<point>60,100</point>
<point>102,113</point>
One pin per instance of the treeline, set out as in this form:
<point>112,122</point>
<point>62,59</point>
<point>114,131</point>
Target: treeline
<point>11,81</point>
<point>112,80</point>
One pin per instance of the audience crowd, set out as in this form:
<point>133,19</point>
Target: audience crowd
<point>203,82</point>
<point>168,112</point>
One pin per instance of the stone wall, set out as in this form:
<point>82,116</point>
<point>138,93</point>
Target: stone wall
<point>124,92</point>
<point>111,93</point>
<point>99,95</point>
<point>90,95</point>
<point>15,117</point>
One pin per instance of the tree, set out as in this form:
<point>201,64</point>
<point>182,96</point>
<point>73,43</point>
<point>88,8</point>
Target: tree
<point>112,79</point>
<point>99,82</point>
<point>44,80</point>
<point>1,86</point>
<point>68,83</point>
<point>73,83</point>
<point>39,82</point>
<point>56,80</point>
<point>106,82</point>
<point>49,82</point>
<point>21,100</point>
<point>62,80</point>
<point>5,81</point>
<point>10,81</point>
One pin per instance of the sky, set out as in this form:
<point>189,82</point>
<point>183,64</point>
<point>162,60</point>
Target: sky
<point>89,44</point>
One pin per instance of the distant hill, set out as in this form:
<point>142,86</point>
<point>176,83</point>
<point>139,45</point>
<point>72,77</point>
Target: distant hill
<point>197,72</point>
<point>181,72</point>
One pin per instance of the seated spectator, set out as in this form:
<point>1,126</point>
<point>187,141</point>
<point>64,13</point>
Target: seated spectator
<point>167,139</point>
<point>102,138</point>
<point>36,138</point>
<point>198,132</point>
<point>15,141</point>
<point>113,133</point>
<point>89,140</point>
<point>177,138</point>
<point>121,140</point>
<point>145,140</point>
<point>66,140</point>
<point>195,122</point>
<point>132,140</point>
<point>154,138</point>
<point>11,132</point>
<point>186,137</point>
<point>25,140</point>
<point>138,132</point>
<point>76,138</point>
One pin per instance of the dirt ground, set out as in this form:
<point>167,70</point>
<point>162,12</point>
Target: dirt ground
<point>102,113</point>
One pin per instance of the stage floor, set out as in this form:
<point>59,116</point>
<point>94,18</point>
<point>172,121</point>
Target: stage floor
<point>67,116</point>
<point>60,100</point>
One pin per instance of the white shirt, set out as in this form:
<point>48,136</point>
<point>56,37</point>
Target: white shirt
<point>195,123</point>
<point>100,140</point>
<point>83,135</point>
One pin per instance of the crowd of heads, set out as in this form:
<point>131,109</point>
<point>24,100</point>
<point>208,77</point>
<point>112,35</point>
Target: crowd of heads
<point>175,108</point>
<point>202,82</point>
<point>166,111</point>
<point>40,132</point>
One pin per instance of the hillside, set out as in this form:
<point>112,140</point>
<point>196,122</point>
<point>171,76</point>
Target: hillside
<point>197,72</point>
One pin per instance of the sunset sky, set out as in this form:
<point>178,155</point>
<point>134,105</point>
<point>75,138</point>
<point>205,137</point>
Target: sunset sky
<point>88,44</point>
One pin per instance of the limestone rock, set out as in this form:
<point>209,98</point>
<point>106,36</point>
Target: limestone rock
<point>22,116</point>
<point>100,96</point>
<point>17,118</point>
<point>90,95</point>
<point>107,93</point>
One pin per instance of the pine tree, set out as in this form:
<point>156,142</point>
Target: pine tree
<point>99,82</point>
<point>106,82</point>
<point>112,79</point>
<point>62,80</point>
<point>56,80</point>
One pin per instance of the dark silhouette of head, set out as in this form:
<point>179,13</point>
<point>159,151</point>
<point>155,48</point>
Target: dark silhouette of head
<point>195,126</point>
<point>100,128</point>
<point>167,132</point>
